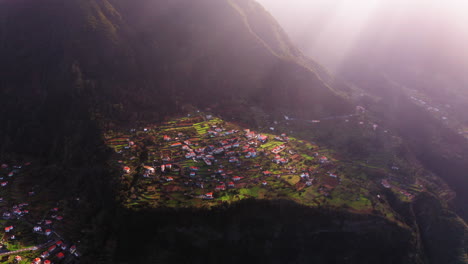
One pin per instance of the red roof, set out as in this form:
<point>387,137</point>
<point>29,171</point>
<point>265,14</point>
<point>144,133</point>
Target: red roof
<point>60,255</point>
<point>47,261</point>
<point>209,194</point>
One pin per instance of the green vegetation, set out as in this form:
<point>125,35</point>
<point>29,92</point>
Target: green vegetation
<point>302,177</point>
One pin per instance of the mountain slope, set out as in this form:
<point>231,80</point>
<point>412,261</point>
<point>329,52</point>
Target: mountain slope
<point>71,69</point>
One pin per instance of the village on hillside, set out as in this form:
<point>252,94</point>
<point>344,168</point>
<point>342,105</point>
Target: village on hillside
<point>31,228</point>
<point>202,161</point>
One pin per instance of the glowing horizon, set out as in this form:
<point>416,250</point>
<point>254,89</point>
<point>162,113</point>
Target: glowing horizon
<point>328,30</point>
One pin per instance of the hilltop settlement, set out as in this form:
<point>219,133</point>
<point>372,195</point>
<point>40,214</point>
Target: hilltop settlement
<point>203,161</point>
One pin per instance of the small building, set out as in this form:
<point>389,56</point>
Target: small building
<point>45,254</point>
<point>149,169</point>
<point>72,249</point>
<point>236,178</point>
<point>18,259</point>
<point>37,229</point>
<point>264,183</point>
<point>52,248</point>
<point>209,195</point>
<point>177,144</point>
<point>220,187</point>
<point>231,184</point>
<point>8,229</point>
<point>60,255</point>
<point>267,173</point>
<point>4,183</point>
<point>323,159</point>
<point>126,169</point>
<point>48,232</point>
<point>262,138</point>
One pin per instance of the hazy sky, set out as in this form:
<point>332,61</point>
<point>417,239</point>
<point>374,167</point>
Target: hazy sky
<point>329,30</point>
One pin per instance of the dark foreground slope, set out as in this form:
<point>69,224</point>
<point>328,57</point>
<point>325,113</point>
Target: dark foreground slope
<point>264,232</point>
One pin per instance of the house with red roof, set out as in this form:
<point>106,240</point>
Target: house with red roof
<point>4,183</point>
<point>37,261</point>
<point>264,183</point>
<point>236,178</point>
<point>52,248</point>
<point>323,159</point>
<point>126,169</point>
<point>48,232</point>
<point>166,138</point>
<point>209,195</point>
<point>262,138</point>
<point>168,179</point>
<point>8,229</point>
<point>267,173</point>
<point>231,184</point>
<point>47,261</point>
<point>60,255</point>
<point>18,258</point>
<point>176,144</point>
<point>148,169</point>
<point>45,254</point>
